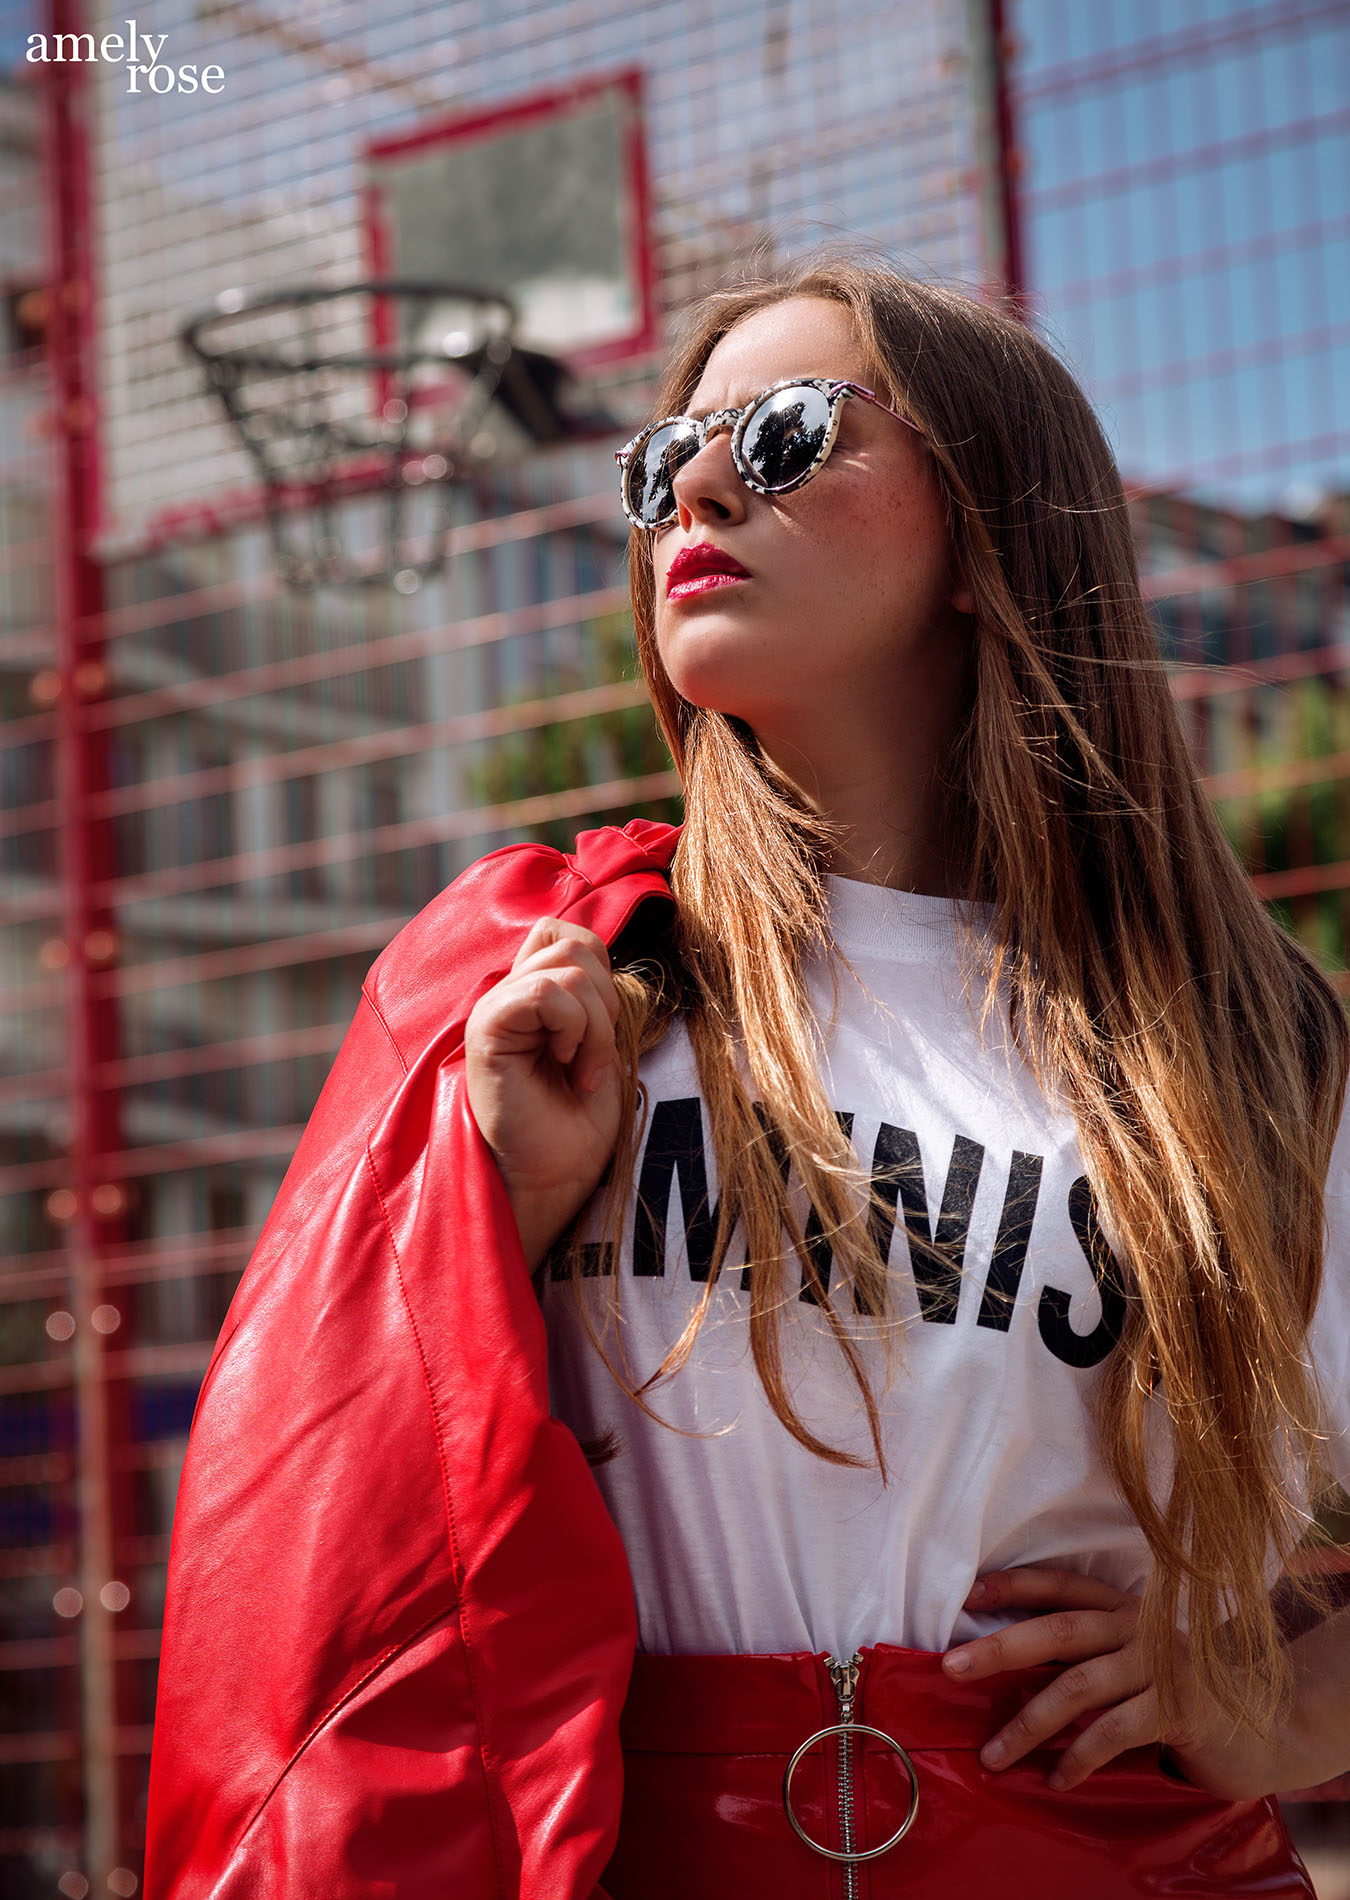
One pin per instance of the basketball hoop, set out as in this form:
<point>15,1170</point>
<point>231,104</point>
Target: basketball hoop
<point>374,391</point>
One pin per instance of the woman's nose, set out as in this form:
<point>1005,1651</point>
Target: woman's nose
<point>707,487</point>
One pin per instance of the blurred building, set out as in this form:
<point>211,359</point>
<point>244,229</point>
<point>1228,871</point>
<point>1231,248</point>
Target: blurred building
<point>226,796</point>
<point>1178,176</point>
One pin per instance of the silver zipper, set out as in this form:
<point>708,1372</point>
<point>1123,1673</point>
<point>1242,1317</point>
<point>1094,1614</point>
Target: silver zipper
<point>844,1676</point>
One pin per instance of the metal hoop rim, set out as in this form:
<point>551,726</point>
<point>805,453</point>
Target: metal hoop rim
<point>235,303</point>
<point>851,1728</point>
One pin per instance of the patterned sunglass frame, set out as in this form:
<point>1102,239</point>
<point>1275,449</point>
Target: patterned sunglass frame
<point>737,420</point>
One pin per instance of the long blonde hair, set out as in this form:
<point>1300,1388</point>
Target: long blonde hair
<point>1201,1050</point>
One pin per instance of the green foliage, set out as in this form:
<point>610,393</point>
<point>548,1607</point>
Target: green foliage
<point>595,750</point>
<point>1282,827</point>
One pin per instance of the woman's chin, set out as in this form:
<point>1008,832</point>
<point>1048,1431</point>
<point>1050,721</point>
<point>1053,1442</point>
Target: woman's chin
<point>715,667</point>
<point>704,689</point>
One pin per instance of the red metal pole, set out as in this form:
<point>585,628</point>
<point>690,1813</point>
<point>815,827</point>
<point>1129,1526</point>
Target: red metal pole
<point>998,161</point>
<point>89,1205</point>
<point>1010,159</point>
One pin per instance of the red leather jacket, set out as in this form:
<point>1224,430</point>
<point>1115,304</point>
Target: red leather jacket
<point>400,1622</point>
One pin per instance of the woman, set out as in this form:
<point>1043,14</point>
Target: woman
<point>965,1394</point>
<point>917,710</point>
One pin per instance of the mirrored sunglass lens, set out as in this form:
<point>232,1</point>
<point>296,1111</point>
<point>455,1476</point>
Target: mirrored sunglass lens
<point>651,471</point>
<point>786,433</point>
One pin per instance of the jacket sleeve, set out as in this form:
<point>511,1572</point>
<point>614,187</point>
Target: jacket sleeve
<point>399,1622</point>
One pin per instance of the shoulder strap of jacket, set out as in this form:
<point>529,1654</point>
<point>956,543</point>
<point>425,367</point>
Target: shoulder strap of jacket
<point>433,972</point>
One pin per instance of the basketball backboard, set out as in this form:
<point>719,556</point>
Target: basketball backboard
<point>543,198</point>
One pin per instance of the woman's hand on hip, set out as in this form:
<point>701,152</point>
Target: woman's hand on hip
<point>1093,1629</point>
<point>543,1079</point>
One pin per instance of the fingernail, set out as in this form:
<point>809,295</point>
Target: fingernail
<point>956,1662</point>
<point>993,1754</point>
<point>1056,1779</point>
<point>977,1593</point>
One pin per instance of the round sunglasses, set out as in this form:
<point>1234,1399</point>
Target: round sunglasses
<point>779,440</point>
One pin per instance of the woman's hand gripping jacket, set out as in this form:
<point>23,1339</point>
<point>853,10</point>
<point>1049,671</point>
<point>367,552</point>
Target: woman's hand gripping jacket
<point>400,1623</point>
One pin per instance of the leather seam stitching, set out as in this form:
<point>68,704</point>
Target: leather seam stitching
<point>379,1017</point>
<point>450,1524</point>
<point>380,1663</point>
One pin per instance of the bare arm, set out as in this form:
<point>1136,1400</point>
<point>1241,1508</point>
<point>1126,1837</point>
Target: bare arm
<point>1318,1740</point>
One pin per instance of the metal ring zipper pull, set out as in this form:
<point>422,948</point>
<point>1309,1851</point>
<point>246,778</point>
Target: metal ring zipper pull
<point>845,1675</point>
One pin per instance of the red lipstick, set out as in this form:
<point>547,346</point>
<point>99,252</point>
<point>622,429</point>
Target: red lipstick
<point>701,567</point>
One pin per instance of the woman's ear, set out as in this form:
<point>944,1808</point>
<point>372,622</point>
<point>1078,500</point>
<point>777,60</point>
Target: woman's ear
<point>964,600</point>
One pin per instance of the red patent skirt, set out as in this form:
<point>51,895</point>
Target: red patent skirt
<point>708,1741</point>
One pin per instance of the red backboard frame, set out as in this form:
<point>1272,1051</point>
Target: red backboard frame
<point>516,114</point>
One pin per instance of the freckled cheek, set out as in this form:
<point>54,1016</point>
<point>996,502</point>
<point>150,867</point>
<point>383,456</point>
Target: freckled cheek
<point>856,542</point>
<point>883,525</point>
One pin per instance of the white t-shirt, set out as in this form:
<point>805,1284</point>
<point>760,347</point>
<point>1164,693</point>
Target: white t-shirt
<point>742,1541</point>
